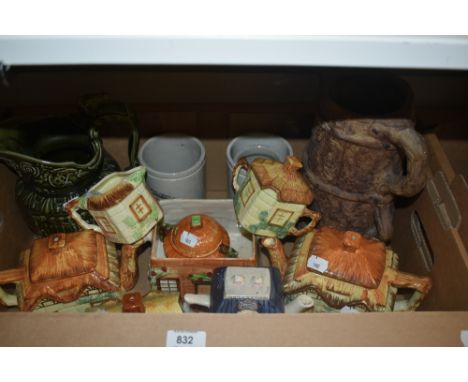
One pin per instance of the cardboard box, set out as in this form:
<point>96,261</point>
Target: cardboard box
<point>430,238</point>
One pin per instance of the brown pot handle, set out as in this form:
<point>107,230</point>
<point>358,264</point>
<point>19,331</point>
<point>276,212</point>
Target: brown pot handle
<point>7,277</point>
<point>402,134</point>
<point>129,266</point>
<point>314,218</point>
<point>241,164</point>
<point>421,286</point>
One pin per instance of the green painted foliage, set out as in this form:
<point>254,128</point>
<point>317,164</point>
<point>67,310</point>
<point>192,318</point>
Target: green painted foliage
<point>137,177</point>
<point>280,232</point>
<point>200,277</point>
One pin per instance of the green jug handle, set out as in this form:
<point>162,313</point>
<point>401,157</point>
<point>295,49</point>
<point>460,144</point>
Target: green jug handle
<point>102,109</point>
<point>72,207</point>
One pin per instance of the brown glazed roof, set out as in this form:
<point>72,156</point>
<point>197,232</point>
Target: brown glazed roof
<point>350,256</point>
<point>111,198</point>
<point>61,256</point>
<point>284,178</point>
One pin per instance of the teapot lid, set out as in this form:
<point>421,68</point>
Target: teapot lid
<point>196,236</point>
<point>284,178</point>
<point>62,256</point>
<point>350,256</point>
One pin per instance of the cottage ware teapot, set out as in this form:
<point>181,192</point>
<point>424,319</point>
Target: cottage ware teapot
<point>59,158</point>
<point>356,167</point>
<point>240,289</point>
<point>271,201</point>
<point>123,208</point>
<point>343,271</point>
<point>273,198</point>
<point>70,271</point>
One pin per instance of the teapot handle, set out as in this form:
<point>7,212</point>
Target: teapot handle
<point>72,207</point>
<point>241,164</point>
<point>7,277</point>
<point>129,266</point>
<point>314,218</point>
<point>402,134</point>
<point>102,109</point>
<point>421,286</point>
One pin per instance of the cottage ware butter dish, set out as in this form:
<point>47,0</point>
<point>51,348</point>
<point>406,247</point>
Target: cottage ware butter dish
<point>342,270</point>
<point>69,272</point>
<point>123,208</point>
<point>198,237</point>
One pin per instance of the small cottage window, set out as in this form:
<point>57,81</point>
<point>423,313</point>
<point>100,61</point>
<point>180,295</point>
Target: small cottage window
<point>280,217</point>
<point>247,192</point>
<point>168,285</point>
<point>140,208</point>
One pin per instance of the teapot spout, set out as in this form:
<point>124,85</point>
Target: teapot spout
<point>299,304</point>
<point>198,299</point>
<point>276,251</point>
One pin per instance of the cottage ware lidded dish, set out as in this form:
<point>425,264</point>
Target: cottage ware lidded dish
<point>273,198</point>
<point>67,270</point>
<point>121,205</point>
<point>193,274</point>
<point>342,270</point>
<point>196,236</point>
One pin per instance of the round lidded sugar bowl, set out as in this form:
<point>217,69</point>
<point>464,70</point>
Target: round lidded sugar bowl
<point>196,236</point>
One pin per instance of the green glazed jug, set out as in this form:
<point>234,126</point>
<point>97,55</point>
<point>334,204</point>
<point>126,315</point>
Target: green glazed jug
<point>58,158</point>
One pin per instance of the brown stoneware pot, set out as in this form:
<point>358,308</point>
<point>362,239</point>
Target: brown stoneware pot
<point>356,168</point>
